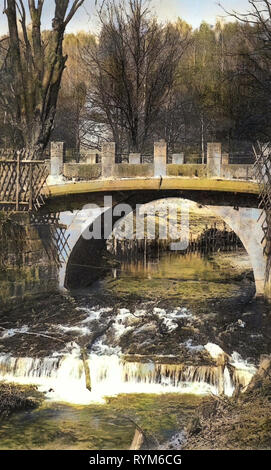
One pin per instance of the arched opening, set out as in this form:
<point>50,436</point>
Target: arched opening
<point>88,260</point>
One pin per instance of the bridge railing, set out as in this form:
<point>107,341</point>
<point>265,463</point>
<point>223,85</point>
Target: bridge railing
<point>107,164</point>
<point>21,183</point>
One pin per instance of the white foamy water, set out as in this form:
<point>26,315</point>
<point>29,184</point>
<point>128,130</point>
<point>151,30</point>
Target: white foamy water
<point>170,319</point>
<point>193,348</point>
<point>228,384</point>
<point>102,349</point>
<point>80,330</point>
<point>239,363</point>
<point>214,350</point>
<point>62,375</point>
<point>63,378</point>
<point>243,370</point>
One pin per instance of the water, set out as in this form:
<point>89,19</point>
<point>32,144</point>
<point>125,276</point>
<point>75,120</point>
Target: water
<point>64,379</point>
<point>104,427</point>
<point>154,339</point>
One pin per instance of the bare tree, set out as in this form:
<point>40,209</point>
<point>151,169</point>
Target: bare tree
<point>33,67</point>
<point>255,29</point>
<point>132,70</point>
<point>76,122</point>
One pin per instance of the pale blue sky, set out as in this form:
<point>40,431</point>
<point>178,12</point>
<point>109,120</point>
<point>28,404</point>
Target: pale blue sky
<point>193,11</point>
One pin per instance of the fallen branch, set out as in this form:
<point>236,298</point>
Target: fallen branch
<point>36,334</point>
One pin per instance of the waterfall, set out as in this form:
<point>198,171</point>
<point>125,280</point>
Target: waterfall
<point>228,383</point>
<point>62,378</point>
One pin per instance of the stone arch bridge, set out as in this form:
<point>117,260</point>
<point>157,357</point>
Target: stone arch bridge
<point>236,201</point>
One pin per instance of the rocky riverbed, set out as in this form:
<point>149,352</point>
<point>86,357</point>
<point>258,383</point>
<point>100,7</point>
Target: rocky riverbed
<point>186,325</point>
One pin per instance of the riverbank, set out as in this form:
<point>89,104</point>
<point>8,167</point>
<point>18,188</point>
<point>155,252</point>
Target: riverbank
<point>15,398</point>
<point>242,422</point>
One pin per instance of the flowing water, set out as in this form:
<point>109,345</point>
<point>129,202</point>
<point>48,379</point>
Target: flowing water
<point>143,346</point>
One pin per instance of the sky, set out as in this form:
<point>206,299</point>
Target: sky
<point>192,11</point>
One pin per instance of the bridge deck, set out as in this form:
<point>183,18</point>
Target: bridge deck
<point>141,184</point>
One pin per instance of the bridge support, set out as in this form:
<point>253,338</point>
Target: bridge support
<point>214,160</point>
<point>160,158</point>
<point>246,224</point>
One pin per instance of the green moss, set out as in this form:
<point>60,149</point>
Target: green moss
<point>17,284</point>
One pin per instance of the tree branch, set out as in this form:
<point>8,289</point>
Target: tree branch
<point>76,4</point>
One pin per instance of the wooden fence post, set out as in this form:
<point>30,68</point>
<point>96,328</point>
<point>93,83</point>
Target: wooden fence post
<point>18,181</point>
<point>30,203</point>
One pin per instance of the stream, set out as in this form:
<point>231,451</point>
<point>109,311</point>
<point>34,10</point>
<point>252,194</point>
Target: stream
<point>152,338</point>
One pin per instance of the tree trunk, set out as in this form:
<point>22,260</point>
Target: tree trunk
<point>202,141</point>
<point>35,69</point>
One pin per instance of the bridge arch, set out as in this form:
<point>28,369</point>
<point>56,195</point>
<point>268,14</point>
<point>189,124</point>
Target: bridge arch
<point>85,264</point>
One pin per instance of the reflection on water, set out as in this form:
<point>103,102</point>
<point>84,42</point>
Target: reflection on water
<point>193,266</point>
<point>191,276</point>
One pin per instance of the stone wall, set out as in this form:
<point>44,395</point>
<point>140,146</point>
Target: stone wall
<point>237,171</point>
<point>27,266</point>
<point>187,170</point>
<point>217,165</point>
<point>87,172</point>
<point>126,170</point>
<point>82,171</point>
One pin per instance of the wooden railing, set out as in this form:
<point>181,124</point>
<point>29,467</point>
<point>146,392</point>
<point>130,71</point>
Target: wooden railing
<point>21,182</point>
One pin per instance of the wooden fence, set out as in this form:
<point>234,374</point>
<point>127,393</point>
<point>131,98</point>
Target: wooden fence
<point>21,182</point>
<point>210,240</point>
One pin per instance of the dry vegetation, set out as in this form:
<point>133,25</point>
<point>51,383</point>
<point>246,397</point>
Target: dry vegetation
<point>242,422</point>
<point>18,397</point>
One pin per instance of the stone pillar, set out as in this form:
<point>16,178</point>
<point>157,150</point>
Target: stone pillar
<point>57,163</point>
<point>91,157</point>
<point>214,160</point>
<point>178,158</point>
<point>160,158</point>
<point>134,159</point>
<point>108,160</point>
<point>225,158</point>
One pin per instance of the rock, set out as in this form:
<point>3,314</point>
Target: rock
<point>147,328</point>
